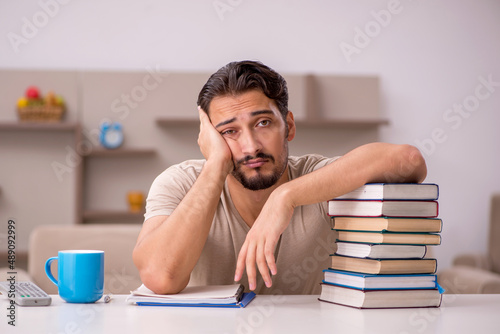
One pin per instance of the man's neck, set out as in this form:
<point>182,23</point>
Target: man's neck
<point>249,203</point>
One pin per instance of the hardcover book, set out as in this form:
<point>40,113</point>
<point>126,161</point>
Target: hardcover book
<point>382,224</point>
<point>390,237</point>
<point>395,191</point>
<point>380,298</point>
<point>380,251</point>
<point>372,208</point>
<point>379,282</point>
<point>384,266</point>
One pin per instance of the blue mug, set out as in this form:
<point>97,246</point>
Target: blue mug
<point>80,275</point>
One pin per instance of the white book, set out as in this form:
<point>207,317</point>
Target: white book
<point>378,208</point>
<point>380,298</point>
<point>395,191</point>
<point>380,251</point>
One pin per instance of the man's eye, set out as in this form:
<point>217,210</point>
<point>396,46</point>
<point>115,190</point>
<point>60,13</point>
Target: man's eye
<point>227,132</point>
<point>264,122</point>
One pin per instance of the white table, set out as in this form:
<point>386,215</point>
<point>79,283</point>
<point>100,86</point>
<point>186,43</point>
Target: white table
<point>476,314</point>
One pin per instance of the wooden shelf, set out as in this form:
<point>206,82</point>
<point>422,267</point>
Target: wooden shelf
<point>121,152</point>
<point>172,122</point>
<point>39,126</point>
<point>114,215</point>
<point>360,123</point>
<point>343,123</point>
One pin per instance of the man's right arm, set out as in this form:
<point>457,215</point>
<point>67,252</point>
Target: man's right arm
<point>168,247</point>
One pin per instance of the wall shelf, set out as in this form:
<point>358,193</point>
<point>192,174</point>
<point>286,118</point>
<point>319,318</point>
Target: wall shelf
<point>90,215</point>
<point>114,215</point>
<point>38,126</point>
<point>121,152</point>
<point>354,123</point>
<point>174,122</point>
<point>343,123</point>
<point>318,101</point>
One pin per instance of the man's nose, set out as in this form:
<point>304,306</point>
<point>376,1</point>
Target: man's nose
<point>249,143</point>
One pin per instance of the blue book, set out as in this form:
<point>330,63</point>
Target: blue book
<point>379,282</point>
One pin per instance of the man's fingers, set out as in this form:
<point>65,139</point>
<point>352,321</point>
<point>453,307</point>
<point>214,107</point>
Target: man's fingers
<point>250,264</point>
<point>263,267</point>
<point>203,115</point>
<point>240,264</point>
<point>269,255</point>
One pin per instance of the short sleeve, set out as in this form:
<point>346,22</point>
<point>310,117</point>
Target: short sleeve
<point>170,187</point>
<point>309,163</point>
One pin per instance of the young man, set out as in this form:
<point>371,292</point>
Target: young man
<point>248,212</point>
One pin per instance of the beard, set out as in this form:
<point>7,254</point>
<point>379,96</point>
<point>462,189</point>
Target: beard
<point>261,181</point>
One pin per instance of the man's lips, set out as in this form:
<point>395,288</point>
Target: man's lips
<point>255,163</point>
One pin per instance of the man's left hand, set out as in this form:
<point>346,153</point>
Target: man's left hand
<point>261,240</point>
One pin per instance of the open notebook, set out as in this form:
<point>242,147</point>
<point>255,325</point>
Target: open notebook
<point>195,296</point>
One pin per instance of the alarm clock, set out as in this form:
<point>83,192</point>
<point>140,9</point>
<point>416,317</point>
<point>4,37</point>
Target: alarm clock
<point>111,136</point>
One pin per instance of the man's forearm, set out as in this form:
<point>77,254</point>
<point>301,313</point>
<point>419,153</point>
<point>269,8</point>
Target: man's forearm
<point>375,162</point>
<point>167,254</point>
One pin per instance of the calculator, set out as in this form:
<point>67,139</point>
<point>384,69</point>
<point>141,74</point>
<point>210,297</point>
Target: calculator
<point>25,293</point>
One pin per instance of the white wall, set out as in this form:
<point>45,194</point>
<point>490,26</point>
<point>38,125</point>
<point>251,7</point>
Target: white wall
<point>430,56</point>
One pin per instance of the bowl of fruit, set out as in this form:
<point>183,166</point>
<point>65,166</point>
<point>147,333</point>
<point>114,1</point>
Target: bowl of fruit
<point>33,107</point>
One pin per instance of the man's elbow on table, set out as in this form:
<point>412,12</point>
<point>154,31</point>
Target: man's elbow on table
<point>157,279</point>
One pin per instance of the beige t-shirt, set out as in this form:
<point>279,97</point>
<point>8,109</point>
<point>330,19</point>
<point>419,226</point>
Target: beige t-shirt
<point>301,253</point>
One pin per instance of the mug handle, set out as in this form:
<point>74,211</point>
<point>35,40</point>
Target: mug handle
<point>48,271</point>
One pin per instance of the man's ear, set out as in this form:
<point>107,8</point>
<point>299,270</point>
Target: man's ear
<point>291,126</point>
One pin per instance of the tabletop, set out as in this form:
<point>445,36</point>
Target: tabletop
<point>265,314</point>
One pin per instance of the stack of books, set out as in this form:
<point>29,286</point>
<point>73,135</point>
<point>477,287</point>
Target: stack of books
<point>384,230</point>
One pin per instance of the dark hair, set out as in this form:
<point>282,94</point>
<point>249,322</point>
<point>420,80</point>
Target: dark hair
<point>239,77</point>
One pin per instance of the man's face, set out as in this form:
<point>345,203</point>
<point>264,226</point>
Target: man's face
<point>257,136</point>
